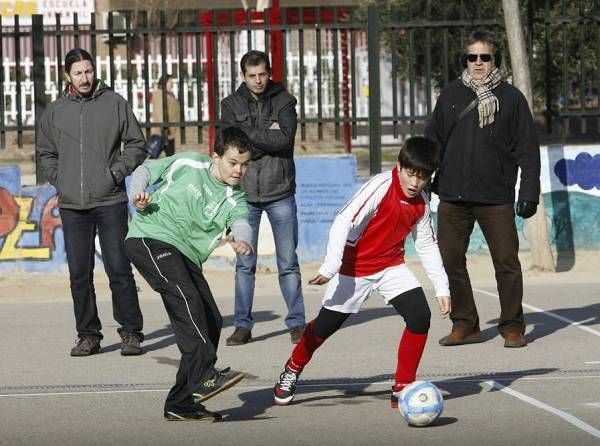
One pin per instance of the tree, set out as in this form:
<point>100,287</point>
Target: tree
<point>562,39</point>
<point>541,254</point>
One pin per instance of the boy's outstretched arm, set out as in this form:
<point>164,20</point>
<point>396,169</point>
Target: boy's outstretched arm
<point>140,178</point>
<point>335,250</point>
<point>445,305</point>
<point>429,254</point>
<point>319,280</point>
<point>241,234</point>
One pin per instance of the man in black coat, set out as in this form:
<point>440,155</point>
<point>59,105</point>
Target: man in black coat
<point>487,133</point>
<point>266,113</point>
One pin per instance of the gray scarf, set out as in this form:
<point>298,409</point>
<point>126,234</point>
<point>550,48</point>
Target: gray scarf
<point>488,102</point>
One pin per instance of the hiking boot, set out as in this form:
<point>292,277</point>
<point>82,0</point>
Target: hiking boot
<point>221,380</point>
<point>240,336</point>
<point>461,337</point>
<point>86,346</point>
<point>131,343</point>
<point>296,334</point>
<point>514,340</point>
<point>200,414</point>
<point>285,389</point>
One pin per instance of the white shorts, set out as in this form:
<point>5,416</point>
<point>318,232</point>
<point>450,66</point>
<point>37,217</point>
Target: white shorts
<point>346,294</point>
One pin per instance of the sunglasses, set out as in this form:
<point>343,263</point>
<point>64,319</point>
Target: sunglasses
<point>484,57</point>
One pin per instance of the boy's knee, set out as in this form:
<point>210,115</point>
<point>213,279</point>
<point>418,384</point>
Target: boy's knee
<point>328,322</point>
<point>412,306</point>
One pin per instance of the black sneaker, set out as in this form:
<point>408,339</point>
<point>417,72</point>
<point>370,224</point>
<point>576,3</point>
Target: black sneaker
<point>240,336</point>
<point>200,414</point>
<point>221,380</point>
<point>86,346</point>
<point>131,343</point>
<point>285,389</point>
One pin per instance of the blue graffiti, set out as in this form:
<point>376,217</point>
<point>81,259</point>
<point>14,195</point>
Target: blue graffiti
<point>583,171</point>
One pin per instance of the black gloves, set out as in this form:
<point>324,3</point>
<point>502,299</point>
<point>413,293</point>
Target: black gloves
<point>526,209</point>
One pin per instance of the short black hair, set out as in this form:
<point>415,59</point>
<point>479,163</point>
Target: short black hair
<point>420,154</point>
<point>232,138</point>
<point>77,55</point>
<point>254,58</point>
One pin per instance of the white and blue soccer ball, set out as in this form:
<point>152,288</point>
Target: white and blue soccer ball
<point>420,403</point>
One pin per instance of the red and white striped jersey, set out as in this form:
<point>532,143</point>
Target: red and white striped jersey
<point>369,233</point>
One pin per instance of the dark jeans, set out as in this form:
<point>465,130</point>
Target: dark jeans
<point>193,312</point>
<point>79,228</point>
<point>497,222</point>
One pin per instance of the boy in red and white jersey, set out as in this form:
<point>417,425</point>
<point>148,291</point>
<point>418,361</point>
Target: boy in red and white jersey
<point>365,253</point>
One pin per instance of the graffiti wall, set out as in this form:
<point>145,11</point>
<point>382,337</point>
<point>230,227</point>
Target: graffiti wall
<point>31,237</point>
<point>30,227</point>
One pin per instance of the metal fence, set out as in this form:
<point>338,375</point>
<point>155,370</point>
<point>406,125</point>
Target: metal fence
<point>361,76</point>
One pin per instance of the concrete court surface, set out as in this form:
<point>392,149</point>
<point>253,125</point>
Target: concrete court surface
<point>545,394</point>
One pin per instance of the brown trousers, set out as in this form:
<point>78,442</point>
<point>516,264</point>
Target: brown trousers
<point>497,222</point>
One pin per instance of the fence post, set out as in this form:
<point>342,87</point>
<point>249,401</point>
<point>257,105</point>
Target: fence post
<point>374,91</point>
<point>39,87</point>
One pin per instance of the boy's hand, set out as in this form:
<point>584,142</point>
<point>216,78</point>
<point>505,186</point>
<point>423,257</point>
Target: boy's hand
<point>445,304</point>
<point>241,248</point>
<point>318,280</point>
<point>141,201</point>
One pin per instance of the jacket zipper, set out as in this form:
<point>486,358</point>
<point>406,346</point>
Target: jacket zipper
<point>258,170</point>
<point>81,153</point>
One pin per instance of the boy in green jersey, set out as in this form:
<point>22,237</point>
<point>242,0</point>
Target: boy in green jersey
<point>197,198</point>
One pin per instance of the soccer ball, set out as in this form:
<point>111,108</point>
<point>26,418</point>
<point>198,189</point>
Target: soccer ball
<point>420,403</point>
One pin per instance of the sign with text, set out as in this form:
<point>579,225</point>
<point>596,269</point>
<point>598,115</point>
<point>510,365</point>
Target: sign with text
<point>24,9</point>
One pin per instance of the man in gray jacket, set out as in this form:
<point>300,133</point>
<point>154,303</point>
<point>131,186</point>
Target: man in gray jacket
<point>79,150</point>
<point>266,113</point>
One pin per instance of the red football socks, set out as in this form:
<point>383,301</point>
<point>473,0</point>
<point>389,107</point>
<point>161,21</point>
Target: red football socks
<point>410,351</point>
<point>304,350</point>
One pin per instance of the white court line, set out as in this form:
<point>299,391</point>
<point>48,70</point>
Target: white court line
<point>12,395</point>
<point>592,362</point>
<point>549,313</point>
<point>565,416</point>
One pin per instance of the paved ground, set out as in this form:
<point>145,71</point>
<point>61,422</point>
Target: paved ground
<point>545,394</point>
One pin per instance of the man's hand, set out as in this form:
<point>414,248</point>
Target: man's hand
<point>141,201</point>
<point>445,305</point>
<point>241,248</point>
<point>526,209</point>
<point>319,280</point>
<point>275,126</point>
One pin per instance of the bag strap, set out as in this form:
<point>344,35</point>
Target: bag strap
<point>462,114</point>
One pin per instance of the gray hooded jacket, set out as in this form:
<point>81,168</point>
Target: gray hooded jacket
<point>79,147</point>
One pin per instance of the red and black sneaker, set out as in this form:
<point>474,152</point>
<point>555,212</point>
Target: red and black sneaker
<point>285,389</point>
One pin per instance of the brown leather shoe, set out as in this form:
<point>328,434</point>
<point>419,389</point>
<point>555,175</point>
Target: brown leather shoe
<point>296,334</point>
<point>514,340</point>
<point>240,336</point>
<point>460,337</point>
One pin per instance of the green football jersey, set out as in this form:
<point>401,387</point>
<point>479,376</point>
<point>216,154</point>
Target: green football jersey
<point>189,208</point>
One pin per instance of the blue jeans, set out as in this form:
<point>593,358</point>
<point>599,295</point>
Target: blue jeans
<point>282,216</point>
<point>79,228</point>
